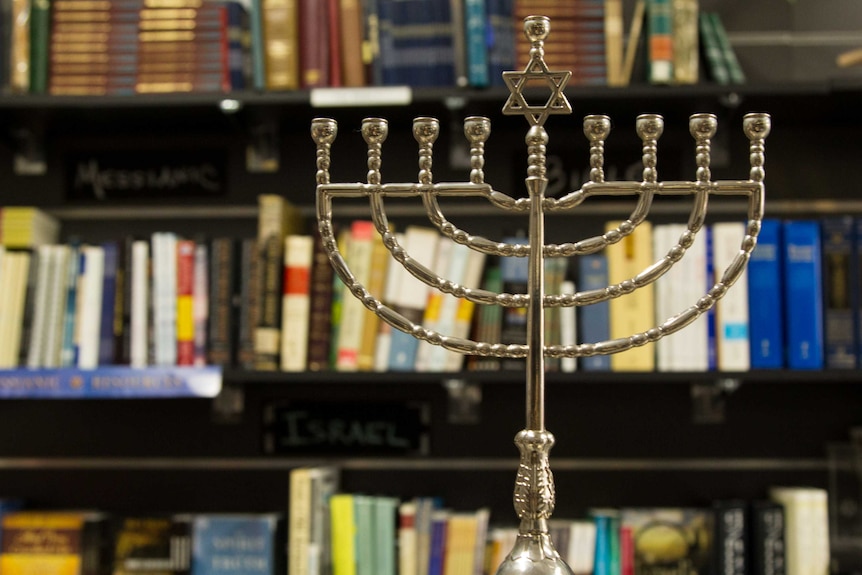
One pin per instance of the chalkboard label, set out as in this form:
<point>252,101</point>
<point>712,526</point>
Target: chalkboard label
<point>146,174</point>
<point>346,428</point>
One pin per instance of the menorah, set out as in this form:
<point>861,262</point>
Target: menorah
<point>534,493</point>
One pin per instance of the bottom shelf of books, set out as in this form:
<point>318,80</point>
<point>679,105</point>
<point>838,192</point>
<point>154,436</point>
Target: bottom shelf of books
<point>641,486</point>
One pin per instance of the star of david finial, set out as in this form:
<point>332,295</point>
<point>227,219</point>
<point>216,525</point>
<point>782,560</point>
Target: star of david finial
<point>536,29</point>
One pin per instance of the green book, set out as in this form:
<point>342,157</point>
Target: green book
<point>40,32</point>
<point>737,76</point>
<point>385,538</point>
<point>712,50</point>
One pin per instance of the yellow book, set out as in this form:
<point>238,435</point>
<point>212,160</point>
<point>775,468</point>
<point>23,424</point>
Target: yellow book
<point>47,542</point>
<point>343,534</point>
<point>299,522</point>
<point>635,312</point>
<point>281,44</point>
<point>380,262</point>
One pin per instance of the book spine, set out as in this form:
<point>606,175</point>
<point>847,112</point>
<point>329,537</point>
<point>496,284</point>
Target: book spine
<point>731,537</point>
<point>258,55</point>
<point>712,50</point>
<point>686,53</point>
<point>40,23</point>
<point>109,301</point>
<point>200,302</point>
<point>803,299</point>
<point>185,323</point>
<point>732,310</point>
<point>314,43</point>
<point>91,306</point>
<point>734,70</point>
<point>765,307</point>
<point>221,314</point>
<point>281,44</point>
<point>840,297</point>
<point>140,304</point>
<point>249,306</point>
<point>594,319</point>
<point>267,333</point>
<point>296,302</point>
<point>767,541</point>
<point>660,21</point>
<point>320,314</point>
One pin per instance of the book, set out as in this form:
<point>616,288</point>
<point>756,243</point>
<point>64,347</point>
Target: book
<point>767,548</point>
<point>420,243</point>
<point>185,330</point>
<point>476,34</point>
<point>40,22</point>
<point>489,320</point>
<point>670,539</point>
<point>320,313</point>
<point>395,273</point>
<point>735,73</point>
<point>343,524</point>
<point>15,276</point>
<point>360,248</point>
<point>90,308</point>
<point>221,325</point>
<point>464,314</point>
<point>731,312</point>
<point>385,520</point>
<point>803,295</point>
<point>686,52</point>
<point>140,307</point>
<point>568,328</point>
<point>765,298</point>
<point>296,301</point>
<point>594,320</point>
<point>57,308</point>
<point>712,50</point>
<point>381,260</point>
<point>228,543</point>
<point>314,44</point>
<point>110,276</point>
<point>840,292</point>
<point>249,297</point>
<point>351,40</point>
<point>806,528</point>
<point>40,319</point>
<point>634,312</point>
<point>614,41</point>
<point>53,542</point>
<point>732,537</point>
<point>200,302</point>
<point>149,544</point>
<point>661,58</point>
<point>433,307</point>
<point>363,513</point>
<point>280,29</point>
<point>407,543</point>
<point>308,519</point>
<point>277,218</point>
<point>514,272</point>
<point>438,537</point>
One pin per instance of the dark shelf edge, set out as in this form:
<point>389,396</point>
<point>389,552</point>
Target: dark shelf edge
<point>781,377</point>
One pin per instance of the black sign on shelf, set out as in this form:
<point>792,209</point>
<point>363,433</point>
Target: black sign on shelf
<point>142,174</point>
<point>346,428</point>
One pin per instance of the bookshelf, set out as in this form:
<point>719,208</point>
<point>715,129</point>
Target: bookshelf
<point>622,439</point>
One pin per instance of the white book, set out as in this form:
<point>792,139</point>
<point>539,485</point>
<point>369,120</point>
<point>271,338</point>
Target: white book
<point>806,528</point>
<point>296,302</point>
<point>90,309</point>
<point>140,307</point>
<point>40,309</point>
<point>165,298</point>
<point>353,311</point>
<point>420,244</point>
<point>57,294</point>
<point>444,264</point>
<point>394,275</point>
<point>407,551</point>
<point>472,278</point>
<point>568,328</point>
<point>731,312</point>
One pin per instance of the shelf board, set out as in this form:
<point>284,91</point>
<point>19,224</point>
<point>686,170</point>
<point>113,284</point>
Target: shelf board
<point>465,464</point>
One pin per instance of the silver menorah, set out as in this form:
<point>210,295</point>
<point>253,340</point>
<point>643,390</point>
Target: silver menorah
<point>534,495</point>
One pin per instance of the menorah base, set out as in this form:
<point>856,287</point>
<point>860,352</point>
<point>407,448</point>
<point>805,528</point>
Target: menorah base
<point>534,554</point>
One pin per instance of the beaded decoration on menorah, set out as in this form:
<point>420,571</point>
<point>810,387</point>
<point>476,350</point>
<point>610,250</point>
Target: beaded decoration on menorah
<point>533,551</point>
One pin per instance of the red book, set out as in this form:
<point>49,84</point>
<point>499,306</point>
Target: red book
<point>185,302</point>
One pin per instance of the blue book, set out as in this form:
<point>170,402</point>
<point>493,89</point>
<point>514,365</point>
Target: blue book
<point>594,319</point>
<point>711,343</point>
<point>514,272</point>
<point>476,23</point>
<point>840,291</point>
<point>765,307</point>
<point>236,544</point>
<point>109,298</point>
<point>803,294</point>
<point>437,554</point>
<point>602,562</point>
<point>501,40</point>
